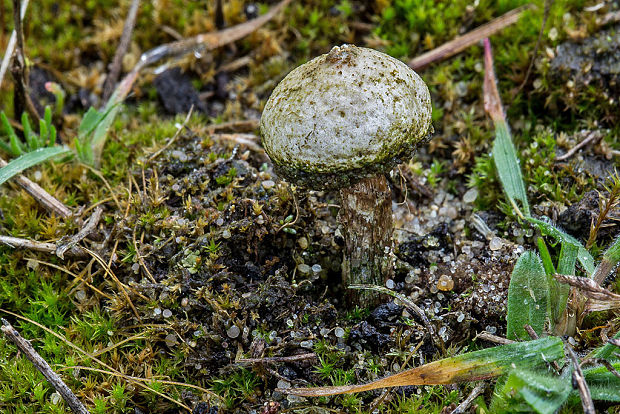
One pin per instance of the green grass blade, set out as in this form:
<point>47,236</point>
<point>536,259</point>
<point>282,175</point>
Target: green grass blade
<point>28,160</point>
<point>507,165</point>
<point>43,133</point>
<point>504,154</point>
<point>546,258</point>
<point>611,257</point>
<point>31,138</point>
<point>15,144</point>
<point>560,291</point>
<point>584,257</point>
<point>528,297</point>
<point>605,351</point>
<point>5,147</point>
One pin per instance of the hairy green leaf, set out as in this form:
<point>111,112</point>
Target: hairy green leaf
<point>542,391</point>
<point>584,257</point>
<point>528,297</point>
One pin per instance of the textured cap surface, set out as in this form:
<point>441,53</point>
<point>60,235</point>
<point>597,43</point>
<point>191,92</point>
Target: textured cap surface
<point>343,116</point>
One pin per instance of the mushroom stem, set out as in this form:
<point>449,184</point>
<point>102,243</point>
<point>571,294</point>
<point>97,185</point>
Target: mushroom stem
<point>366,217</point>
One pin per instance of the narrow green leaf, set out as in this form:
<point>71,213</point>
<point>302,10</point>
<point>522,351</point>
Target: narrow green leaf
<point>16,146</point>
<point>28,160</point>
<point>546,258</point>
<point>584,257</point>
<point>508,169</point>
<point>29,135</point>
<point>90,120</point>
<point>5,147</point>
<point>101,132</point>
<point>606,350</point>
<point>560,291</point>
<point>528,297</point>
<point>43,133</point>
<point>543,392</point>
<point>603,384</point>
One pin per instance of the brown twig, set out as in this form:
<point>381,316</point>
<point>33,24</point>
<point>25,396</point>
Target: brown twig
<point>43,197</point>
<point>19,243</point>
<point>11,45</point>
<point>84,231</point>
<point>248,125</point>
<point>530,331</point>
<point>44,368</point>
<point>273,360</point>
<point>463,42</point>
<point>591,138</point>
<point>548,4</point>
<point>494,338</point>
<point>205,41</point>
<point>580,381</point>
<point>19,70</point>
<point>464,406</point>
<point>123,45</point>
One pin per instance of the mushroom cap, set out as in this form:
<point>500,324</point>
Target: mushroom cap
<point>344,116</point>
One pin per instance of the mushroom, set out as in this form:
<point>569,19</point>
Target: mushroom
<point>342,121</point>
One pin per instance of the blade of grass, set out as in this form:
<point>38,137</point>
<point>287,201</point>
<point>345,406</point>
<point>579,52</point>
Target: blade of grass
<point>546,258</point>
<point>28,160</point>
<point>471,366</point>
<point>584,257</point>
<point>15,144</point>
<point>528,297</point>
<point>504,154</point>
<point>610,259</point>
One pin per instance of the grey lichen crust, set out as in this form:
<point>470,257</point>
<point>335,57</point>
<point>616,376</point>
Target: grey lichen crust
<point>343,116</point>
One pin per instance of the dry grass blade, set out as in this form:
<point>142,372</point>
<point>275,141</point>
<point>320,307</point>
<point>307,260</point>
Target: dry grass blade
<point>582,386</point>
<point>472,366</point>
<point>123,45</point>
<point>463,42</point>
<point>589,288</point>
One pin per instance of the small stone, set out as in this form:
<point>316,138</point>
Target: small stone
<point>306,344</point>
<point>496,243</point>
<point>171,340</point>
<point>38,175</point>
<point>470,196</point>
<point>303,243</point>
<point>460,318</point>
<point>233,332</point>
<point>167,313</point>
<point>80,295</point>
<point>268,184</point>
<point>156,311</point>
<point>303,268</point>
<point>339,332</point>
<point>219,221</point>
<point>389,284</point>
<point>55,398</point>
<point>316,268</point>
<point>282,384</point>
<point>135,267</point>
<point>226,234</point>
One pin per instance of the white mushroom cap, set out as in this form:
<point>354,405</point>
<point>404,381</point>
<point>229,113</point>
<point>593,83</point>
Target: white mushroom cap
<point>343,116</point>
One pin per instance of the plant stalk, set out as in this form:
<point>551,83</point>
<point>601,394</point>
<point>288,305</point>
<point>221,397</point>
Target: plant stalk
<point>366,218</point>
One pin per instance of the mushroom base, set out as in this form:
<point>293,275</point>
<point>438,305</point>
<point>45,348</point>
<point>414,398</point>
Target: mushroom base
<point>366,217</point>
